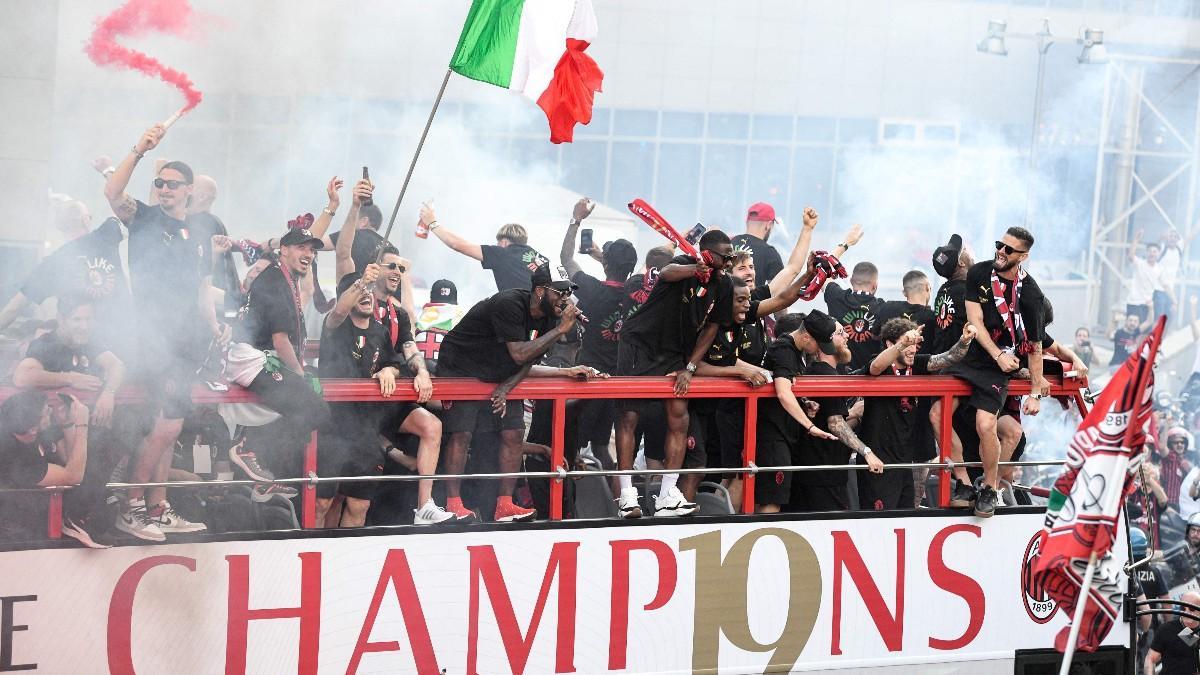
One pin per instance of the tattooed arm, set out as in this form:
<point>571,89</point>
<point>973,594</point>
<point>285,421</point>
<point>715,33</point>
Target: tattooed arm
<point>125,207</point>
<point>939,362</point>
<point>839,427</point>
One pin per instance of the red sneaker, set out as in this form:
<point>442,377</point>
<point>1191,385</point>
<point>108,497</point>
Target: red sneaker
<point>462,513</point>
<point>508,512</point>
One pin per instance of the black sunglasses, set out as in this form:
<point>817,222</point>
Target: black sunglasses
<point>1008,250</point>
<point>395,266</point>
<point>562,293</point>
<point>173,184</point>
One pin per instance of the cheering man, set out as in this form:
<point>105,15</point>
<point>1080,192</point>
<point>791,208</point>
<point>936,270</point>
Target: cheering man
<point>501,340</point>
<point>1004,304</point>
<point>760,220</point>
<point>658,339</point>
<point>511,260</point>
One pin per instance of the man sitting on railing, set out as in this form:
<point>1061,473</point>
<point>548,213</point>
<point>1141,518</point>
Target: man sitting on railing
<point>889,424</point>
<point>501,340</point>
<point>44,446</point>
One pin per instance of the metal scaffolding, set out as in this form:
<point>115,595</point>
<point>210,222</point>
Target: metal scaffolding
<point>1146,168</point>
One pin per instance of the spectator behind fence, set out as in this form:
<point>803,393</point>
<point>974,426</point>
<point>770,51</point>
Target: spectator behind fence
<point>1147,295</point>
<point>1125,339</point>
<point>512,261</point>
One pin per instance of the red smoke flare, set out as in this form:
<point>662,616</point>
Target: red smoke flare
<point>136,18</point>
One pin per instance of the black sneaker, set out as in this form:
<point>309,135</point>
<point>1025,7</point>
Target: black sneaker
<point>962,496</point>
<point>985,503</point>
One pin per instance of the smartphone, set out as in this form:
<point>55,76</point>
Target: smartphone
<point>367,176</point>
<point>585,241</point>
<point>694,234</point>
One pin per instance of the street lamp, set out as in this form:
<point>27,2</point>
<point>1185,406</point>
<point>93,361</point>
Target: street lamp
<point>1093,52</point>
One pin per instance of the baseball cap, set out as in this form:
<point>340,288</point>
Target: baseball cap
<point>347,281</point>
<point>556,277</point>
<point>620,253</point>
<point>760,211</point>
<point>444,291</point>
<point>821,327</point>
<point>945,258</point>
<point>300,236</point>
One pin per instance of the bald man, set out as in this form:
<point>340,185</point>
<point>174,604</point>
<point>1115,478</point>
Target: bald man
<point>204,226</point>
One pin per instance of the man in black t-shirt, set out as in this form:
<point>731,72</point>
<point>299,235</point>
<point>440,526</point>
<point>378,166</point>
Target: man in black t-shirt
<point>657,340</point>
<point>511,260</point>
<point>1176,644</point>
<point>856,309</point>
<point>266,357</point>
<point>604,301</point>
<point>165,279</point>
<point>1004,303</point>
<point>760,221</point>
<point>216,267</point>
<point>501,340</point>
<point>827,489</point>
<point>1125,340</point>
<point>914,307</point>
<point>890,425</point>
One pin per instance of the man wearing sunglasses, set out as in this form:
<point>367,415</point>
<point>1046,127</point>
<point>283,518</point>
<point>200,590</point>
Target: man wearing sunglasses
<point>501,340</point>
<point>657,340</point>
<point>1005,305</point>
<point>165,273</point>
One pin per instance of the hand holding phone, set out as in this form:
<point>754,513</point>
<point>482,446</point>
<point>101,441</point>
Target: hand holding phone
<point>585,241</point>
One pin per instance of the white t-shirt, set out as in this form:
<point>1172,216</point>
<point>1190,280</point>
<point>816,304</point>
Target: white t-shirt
<point>1187,505</point>
<point>1168,267</point>
<point>1146,280</point>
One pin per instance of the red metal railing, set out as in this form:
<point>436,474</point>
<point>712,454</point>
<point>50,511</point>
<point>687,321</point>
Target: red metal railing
<point>559,391</point>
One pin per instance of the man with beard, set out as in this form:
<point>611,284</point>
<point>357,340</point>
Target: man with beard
<point>1004,303</point>
<point>855,309</point>
<point>267,357</point>
<point>951,262</point>
<point>501,340</point>
<point>592,420</point>
<point>657,340</point>
<point>165,275</point>
<point>890,424</point>
<point>512,261</point>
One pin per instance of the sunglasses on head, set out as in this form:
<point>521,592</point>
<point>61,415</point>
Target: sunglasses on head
<point>1008,250</point>
<point>394,266</point>
<point>173,184</point>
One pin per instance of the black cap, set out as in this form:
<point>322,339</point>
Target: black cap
<point>300,236</point>
<point>945,258</point>
<point>620,253</point>
<point>347,281</point>
<point>821,327</point>
<point>555,277</point>
<point>444,291</point>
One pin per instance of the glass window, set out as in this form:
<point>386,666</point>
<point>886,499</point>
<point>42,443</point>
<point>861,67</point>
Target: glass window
<point>632,174</point>
<point>812,172</point>
<point>857,130</point>
<point>733,126</point>
<point>941,133</point>
<point>772,128</point>
<point>635,122</point>
<point>899,131</point>
<point>768,179</point>
<point>583,167</point>
<point>816,129</point>
<point>599,126</point>
<point>682,124</point>
<point>724,179</point>
<point>678,181</point>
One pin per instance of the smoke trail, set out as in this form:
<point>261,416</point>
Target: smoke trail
<point>135,18</point>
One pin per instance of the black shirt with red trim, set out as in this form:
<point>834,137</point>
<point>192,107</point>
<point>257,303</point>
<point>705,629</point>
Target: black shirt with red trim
<point>857,312</point>
<point>669,320</point>
<point>979,291</point>
<point>512,265</point>
<point>949,315</point>
<point>602,302</point>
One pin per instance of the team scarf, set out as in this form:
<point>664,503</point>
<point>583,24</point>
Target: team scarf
<point>385,313</point>
<point>1011,315</point>
<point>294,287</point>
<point>827,267</point>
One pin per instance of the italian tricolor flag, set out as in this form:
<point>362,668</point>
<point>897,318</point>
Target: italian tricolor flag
<point>536,48</point>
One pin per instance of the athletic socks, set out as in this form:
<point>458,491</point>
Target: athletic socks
<point>626,482</point>
<point>668,482</point>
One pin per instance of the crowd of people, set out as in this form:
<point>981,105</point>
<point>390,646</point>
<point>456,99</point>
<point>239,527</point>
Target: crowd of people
<point>189,316</point>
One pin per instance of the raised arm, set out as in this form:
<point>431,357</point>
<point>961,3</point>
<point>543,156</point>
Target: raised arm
<point>790,294</point>
<point>799,256</point>
<point>321,225</point>
<point>124,207</point>
<point>888,356</point>
<point>454,241</point>
<point>939,362</point>
<point>347,300</point>
<point>853,236</point>
<point>345,245</point>
<point>583,209</point>
<point>677,272</point>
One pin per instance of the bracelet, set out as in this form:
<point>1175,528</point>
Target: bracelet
<point>808,429</point>
<point>433,225</point>
<point>134,150</point>
<point>330,212</point>
<point>109,171</point>
<point>845,245</point>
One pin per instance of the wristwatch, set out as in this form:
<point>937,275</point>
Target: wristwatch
<point>691,368</point>
<point>867,452</point>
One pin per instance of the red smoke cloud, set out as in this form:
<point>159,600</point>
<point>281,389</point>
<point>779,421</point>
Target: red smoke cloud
<point>136,18</point>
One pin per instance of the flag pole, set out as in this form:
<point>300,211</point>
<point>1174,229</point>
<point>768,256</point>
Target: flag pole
<point>416,155</point>
<point>1113,497</point>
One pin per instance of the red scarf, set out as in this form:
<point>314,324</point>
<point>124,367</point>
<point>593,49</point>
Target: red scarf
<point>295,289</point>
<point>828,267</point>
<point>386,310</point>
<point>1010,313</point>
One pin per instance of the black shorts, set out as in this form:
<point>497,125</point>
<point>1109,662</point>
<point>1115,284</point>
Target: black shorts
<point>989,386</point>
<point>652,430</point>
<point>774,487</point>
<point>595,419</point>
<point>477,416</point>
<point>817,498</point>
<point>731,423</point>
<point>635,361</point>
<point>166,369</point>
<point>892,489</point>
<point>350,453</point>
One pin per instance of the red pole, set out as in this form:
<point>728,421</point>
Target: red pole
<point>54,515</point>
<point>749,442</point>
<point>946,441</point>
<point>557,431</point>
<point>308,507</point>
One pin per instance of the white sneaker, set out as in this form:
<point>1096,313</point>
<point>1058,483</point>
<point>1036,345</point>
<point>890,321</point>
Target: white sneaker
<point>431,514</point>
<point>171,522</point>
<point>134,520</point>
<point>673,504</point>
<point>628,505</point>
